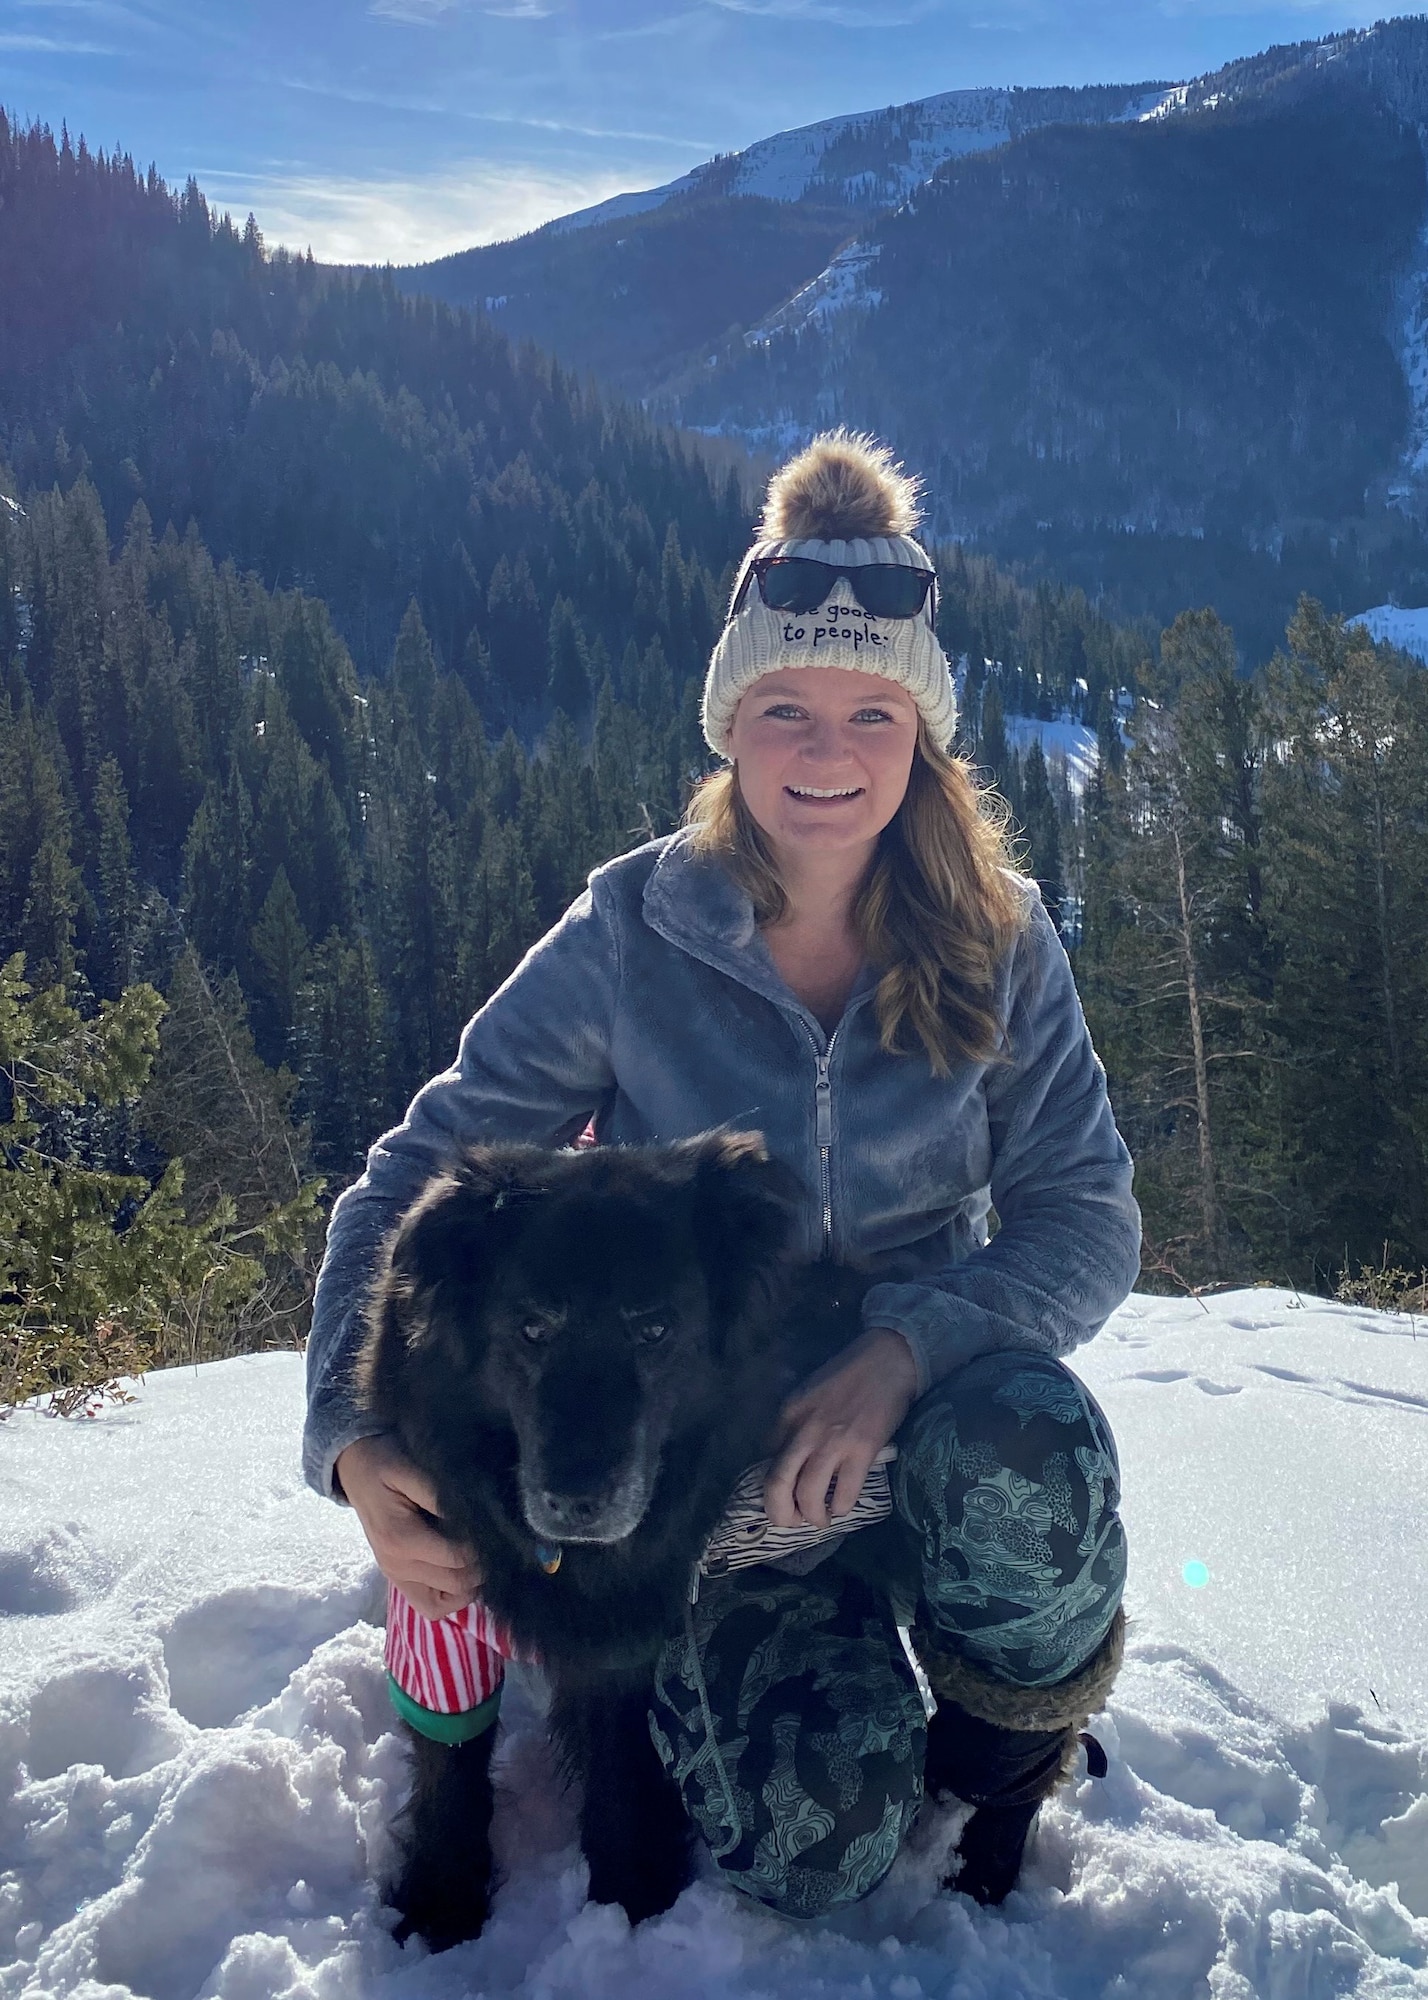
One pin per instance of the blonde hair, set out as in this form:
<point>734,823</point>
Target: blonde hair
<point>938,909</point>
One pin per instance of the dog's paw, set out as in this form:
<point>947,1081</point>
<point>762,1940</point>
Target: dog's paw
<point>646,1889</point>
<point>440,1920</point>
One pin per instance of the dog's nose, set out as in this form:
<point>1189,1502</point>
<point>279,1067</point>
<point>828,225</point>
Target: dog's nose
<point>572,1510</point>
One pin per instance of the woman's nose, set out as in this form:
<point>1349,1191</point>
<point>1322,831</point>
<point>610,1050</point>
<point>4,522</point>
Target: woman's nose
<point>823,742</point>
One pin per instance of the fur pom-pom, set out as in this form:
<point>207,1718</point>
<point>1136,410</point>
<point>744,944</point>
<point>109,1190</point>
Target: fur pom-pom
<point>844,487</point>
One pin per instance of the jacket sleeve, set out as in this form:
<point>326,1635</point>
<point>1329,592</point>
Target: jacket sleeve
<point>533,1065</point>
<point>1067,1250</point>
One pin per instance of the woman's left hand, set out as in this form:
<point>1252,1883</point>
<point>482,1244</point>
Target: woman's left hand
<point>835,1426</point>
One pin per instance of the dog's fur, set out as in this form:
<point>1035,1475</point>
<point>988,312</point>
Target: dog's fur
<point>587,1349</point>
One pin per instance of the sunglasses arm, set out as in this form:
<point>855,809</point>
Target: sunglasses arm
<point>741,588</point>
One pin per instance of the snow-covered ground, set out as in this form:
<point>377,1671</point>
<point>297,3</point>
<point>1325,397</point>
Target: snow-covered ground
<point>1400,626</point>
<point>197,1762</point>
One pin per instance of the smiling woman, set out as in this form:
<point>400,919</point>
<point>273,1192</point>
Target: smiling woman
<point>834,951</point>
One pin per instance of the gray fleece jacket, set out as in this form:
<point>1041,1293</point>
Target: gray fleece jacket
<point>655,1006</point>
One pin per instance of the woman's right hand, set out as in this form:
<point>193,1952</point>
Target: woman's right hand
<point>397,1508</point>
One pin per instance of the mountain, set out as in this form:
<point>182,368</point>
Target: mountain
<point>639,287</point>
<point>329,434</point>
<point>1167,341</point>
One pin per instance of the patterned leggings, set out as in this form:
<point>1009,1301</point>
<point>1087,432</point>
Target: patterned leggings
<point>788,1712</point>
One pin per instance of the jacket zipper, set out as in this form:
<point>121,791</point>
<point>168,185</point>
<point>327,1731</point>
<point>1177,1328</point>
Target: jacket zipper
<point>823,1106</point>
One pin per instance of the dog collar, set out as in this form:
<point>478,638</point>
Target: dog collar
<point>548,1557</point>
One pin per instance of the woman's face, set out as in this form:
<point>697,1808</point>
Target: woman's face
<point>823,757</point>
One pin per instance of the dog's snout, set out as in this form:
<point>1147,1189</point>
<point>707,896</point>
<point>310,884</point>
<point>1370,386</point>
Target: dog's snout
<point>572,1510</point>
<point>580,1512</point>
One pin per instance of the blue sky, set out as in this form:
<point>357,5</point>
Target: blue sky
<point>401,129</point>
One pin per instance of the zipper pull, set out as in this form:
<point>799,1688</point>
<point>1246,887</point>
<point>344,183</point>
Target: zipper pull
<point>823,1100</point>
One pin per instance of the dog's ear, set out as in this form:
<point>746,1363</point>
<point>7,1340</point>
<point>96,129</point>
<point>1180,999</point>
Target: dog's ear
<point>744,1204</point>
<point>446,1236</point>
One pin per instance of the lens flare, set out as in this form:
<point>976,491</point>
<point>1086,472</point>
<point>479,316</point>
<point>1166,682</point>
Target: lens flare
<point>1196,1574</point>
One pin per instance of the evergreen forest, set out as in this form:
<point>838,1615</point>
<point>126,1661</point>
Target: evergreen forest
<point>340,640</point>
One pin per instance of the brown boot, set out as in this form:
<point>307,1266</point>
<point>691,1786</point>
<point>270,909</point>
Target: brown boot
<point>1003,1749</point>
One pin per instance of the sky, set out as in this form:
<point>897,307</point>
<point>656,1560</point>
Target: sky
<point>398,130</point>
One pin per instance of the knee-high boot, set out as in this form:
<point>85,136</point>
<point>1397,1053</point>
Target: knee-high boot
<point>1002,1749</point>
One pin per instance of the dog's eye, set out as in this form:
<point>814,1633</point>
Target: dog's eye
<point>648,1331</point>
<point>536,1329</point>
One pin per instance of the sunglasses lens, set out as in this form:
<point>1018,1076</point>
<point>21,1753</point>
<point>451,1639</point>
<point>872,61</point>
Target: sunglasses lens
<point>887,590</point>
<point>796,583</point>
<point>884,590</point>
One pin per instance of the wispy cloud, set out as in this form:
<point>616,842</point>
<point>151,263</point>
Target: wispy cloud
<point>1335,14</point>
<point>561,128</point>
<point>48,45</point>
<point>833,13</point>
<point>408,220</point>
<point>427,13</point>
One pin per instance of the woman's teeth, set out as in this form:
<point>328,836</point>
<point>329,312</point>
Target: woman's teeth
<point>814,792</point>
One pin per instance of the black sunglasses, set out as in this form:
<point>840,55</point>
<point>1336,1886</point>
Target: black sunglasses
<point>801,584</point>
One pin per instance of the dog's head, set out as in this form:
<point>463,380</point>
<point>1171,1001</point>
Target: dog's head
<point>593,1301</point>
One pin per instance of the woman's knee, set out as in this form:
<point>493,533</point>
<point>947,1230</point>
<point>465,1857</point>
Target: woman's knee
<point>1009,1417</point>
<point>837,1872</point>
<point>1007,1474</point>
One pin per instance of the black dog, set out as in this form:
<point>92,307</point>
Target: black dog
<point>585,1350</point>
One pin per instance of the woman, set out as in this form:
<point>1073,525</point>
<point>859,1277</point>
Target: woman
<point>833,952</point>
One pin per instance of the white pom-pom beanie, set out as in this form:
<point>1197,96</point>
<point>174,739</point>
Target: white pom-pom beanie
<point>842,501</point>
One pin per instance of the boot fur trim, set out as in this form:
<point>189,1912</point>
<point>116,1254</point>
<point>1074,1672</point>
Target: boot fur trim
<point>1067,1704</point>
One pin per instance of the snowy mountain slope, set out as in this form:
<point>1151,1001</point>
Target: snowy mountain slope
<point>639,286</point>
<point>1398,625</point>
<point>197,1763</point>
<point>876,158</point>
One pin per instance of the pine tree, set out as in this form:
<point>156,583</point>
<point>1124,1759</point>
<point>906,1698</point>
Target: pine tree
<point>1173,990</point>
<point>342,1053</point>
<point>281,955</point>
<point>568,676</point>
<point>1042,831</point>
<point>211,1102</point>
<point>101,1274</point>
<point>414,672</point>
<point>1345,869</point>
<point>118,884</point>
<point>217,867</point>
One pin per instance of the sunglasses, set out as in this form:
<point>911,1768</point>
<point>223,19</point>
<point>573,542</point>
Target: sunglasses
<point>801,584</point>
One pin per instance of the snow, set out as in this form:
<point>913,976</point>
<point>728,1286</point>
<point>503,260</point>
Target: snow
<point>1155,104</point>
<point>842,285</point>
<point>1062,740</point>
<point>621,205</point>
<point>197,1763</point>
<point>1411,314</point>
<point>1396,625</point>
<point>906,144</point>
<point>934,130</point>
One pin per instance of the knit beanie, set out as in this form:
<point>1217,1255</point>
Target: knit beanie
<point>842,500</point>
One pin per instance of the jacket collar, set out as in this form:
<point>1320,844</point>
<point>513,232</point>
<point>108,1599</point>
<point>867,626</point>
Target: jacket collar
<point>692,900</point>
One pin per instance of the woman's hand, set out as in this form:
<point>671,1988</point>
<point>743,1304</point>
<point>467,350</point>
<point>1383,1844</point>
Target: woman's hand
<point>397,1508</point>
<point>835,1426</point>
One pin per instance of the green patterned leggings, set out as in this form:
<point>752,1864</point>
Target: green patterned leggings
<point>788,1712</point>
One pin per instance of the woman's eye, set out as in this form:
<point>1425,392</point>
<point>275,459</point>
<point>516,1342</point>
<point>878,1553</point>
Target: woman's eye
<point>872,715</point>
<point>782,710</point>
